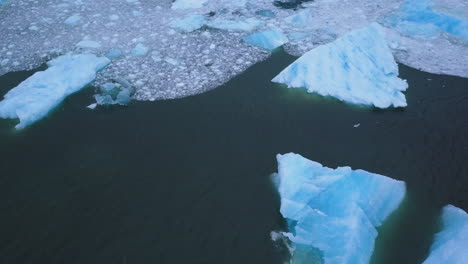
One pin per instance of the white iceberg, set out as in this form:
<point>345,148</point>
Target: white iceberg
<point>357,68</point>
<point>189,23</point>
<point>269,39</point>
<point>451,244</point>
<point>333,212</point>
<point>35,97</point>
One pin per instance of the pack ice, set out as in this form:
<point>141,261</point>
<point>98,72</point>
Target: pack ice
<point>332,214</point>
<point>32,99</point>
<point>357,68</point>
<point>450,245</point>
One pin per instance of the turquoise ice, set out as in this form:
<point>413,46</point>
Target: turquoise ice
<point>189,23</point>
<point>418,17</point>
<point>451,244</point>
<point>247,24</point>
<point>35,97</point>
<point>269,39</point>
<point>332,214</point>
<point>357,68</point>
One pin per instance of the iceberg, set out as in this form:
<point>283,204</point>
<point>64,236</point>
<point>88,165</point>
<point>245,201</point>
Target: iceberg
<point>247,24</point>
<point>269,39</point>
<point>419,18</point>
<point>301,19</point>
<point>189,23</point>
<point>451,243</point>
<point>357,68</point>
<point>332,214</point>
<point>35,97</point>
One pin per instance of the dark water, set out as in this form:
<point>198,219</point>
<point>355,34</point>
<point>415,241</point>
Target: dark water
<point>187,181</point>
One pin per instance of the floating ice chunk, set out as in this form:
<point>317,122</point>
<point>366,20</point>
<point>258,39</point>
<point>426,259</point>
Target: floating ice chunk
<point>114,54</point>
<point>269,39</point>
<point>140,50</point>
<point>301,19</point>
<point>420,14</point>
<point>450,245</point>
<point>185,4</point>
<point>189,23</point>
<point>115,93</point>
<point>35,97</point>
<point>248,24</point>
<point>332,213</point>
<point>92,106</point>
<point>90,44</point>
<point>357,68</point>
<point>266,13</point>
<point>73,20</point>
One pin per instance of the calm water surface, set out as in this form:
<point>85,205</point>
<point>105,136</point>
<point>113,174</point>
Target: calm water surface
<point>187,180</point>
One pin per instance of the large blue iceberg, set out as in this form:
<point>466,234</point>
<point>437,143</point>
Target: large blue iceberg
<point>421,18</point>
<point>35,97</point>
<point>357,68</point>
<point>332,214</point>
<point>451,244</point>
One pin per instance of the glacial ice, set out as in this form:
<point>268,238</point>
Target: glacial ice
<point>332,214</point>
<point>35,97</point>
<point>269,39</point>
<point>115,93</point>
<point>451,244</point>
<point>34,32</point>
<point>140,50</point>
<point>357,68</point>
<point>189,23</point>
<point>417,17</point>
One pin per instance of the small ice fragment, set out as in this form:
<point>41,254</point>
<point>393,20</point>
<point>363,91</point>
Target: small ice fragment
<point>248,24</point>
<point>186,4</point>
<point>92,106</point>
<point>140,50</point>
<point>189,23</point>
<point>73,20</point>
<point>356,125</point>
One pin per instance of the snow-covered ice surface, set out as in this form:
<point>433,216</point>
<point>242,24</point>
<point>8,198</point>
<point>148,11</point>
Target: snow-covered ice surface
<point>357,68</point>
<point>332,214</point>
<point>35,97</point>
<point>195,45</point>
<point>451,244</point>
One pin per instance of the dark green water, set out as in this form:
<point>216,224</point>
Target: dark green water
<point>187,181</point>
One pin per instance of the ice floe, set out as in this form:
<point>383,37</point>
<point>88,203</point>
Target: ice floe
<point>181,31</point>
<point>268,39</point>
<point>450,244</point>
<point>332,214</point>
<point>357,68</point>
<point>35,97</point>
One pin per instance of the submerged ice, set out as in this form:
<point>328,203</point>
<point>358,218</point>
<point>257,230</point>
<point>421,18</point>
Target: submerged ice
<point>35,97</point>
<point>357,68</point>
<point>450,244</point>
<point>332,214</point>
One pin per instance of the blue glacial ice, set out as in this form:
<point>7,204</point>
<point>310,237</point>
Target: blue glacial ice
<point>35,97</point>
<point>247,24</point>
<point>189,23</point>
<point>419,18</point>
<point>451,244</point>
<point>115,93</point>
<point>268,39</point>
<point>357,68</point>
<point>333,212</point>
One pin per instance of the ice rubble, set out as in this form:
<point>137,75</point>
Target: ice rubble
<point>332,214</point>
<point>35,97</point>
<point>450,245</point>
<point>358,68</point>
<point>115,93</point>
<point>179,61</point>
